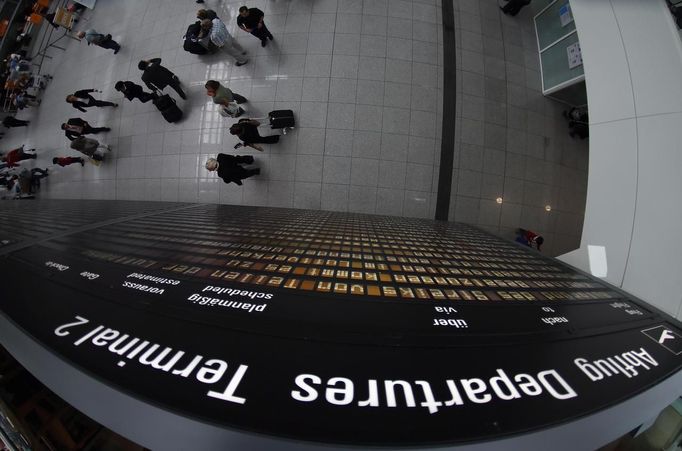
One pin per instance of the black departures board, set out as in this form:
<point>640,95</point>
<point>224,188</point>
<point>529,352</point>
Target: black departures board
<point>330,327</point>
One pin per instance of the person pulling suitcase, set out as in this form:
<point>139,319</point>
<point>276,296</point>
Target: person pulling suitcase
<point>247,131</point>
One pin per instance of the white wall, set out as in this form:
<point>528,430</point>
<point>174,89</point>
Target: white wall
<point>633,68</point>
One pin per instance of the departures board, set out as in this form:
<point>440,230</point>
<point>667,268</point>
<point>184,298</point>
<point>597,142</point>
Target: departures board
<point>327,327</point>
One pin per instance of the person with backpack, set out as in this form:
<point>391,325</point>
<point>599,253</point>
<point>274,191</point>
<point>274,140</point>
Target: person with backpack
<point>157,77</point>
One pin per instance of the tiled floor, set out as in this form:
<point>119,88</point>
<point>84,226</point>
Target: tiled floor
<point>512,142</point>
<point>365,81</point>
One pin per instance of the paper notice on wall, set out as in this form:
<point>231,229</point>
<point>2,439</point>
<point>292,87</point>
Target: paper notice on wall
<point>575,58</point>
<point>565,15</point>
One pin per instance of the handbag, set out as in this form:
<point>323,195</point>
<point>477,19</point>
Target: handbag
<point>232,109</point>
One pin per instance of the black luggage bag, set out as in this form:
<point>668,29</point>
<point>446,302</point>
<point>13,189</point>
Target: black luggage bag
<point>283,119</point>
<point>168,108</point>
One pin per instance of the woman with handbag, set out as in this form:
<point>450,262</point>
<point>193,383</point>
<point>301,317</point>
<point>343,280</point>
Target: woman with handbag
<point>247,131</point>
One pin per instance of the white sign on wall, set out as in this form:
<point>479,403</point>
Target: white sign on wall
<point>575,58</point>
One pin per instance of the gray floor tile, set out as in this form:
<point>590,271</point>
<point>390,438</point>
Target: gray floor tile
<point>311,141</point>
<point>417,204</point>
<point>399,28</point>
<point>336,169</point>
<point>371,45</point>
<point>467,209</point>
<point>390,201</point>
<point>392,174</point>
<point>341,116</point>
<point>469,183</point>
<point>394,147</point>
<point>398,71</point>
<point>362,199</point>
<point>371,68</point>
<point>471,157</point>
<point>344,66</point>
<point>368,117</point>
<point>396,120</point>
<point>399,48</point>
<point>370,92</point>
<point>309,168</point>
<point>489,213</point>
<point>348,23</point>
<point>419,177</point>
<point>364,172</point>
<point>366,144</point>
<point>375,25</point>
<point>334,197</point>
<point>313,114</point>
<point>396,94</point>
<point>346,44</point>
<point>339,143</point>
<point>307,195</point>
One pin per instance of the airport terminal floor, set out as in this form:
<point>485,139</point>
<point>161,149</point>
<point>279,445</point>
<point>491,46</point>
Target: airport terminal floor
<point>365,81</point>
<point>368,288</point>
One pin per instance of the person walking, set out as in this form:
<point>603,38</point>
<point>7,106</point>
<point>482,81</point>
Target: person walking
<point>230,167</point>
<point>247,131</point>
<point>132,91</point>
<point>11,121</point>
<point>82,99</point>
<point>157,77</point>
<point>89,147</point>
<point>219,36</point>
<point>100,40</point>
<point>251,21</point>
<point>222,95</point>
<point>75,127</point>
<point>13,157</point>
<point>65,161</point>
<point>513,7</point>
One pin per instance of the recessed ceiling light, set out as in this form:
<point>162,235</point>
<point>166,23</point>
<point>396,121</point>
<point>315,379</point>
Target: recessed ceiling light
<point>548,208</point>
<point>498,200</point>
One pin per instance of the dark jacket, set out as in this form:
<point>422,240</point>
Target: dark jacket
<point>83,94</point>
<point>132,90</point>
<point>191,42</point>
<point>229,170</point>
<point>78,122</point>
<point>155,76</point>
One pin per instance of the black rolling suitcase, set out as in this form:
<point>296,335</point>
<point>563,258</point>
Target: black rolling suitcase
<point>169,109</point>
<point>283,119</point>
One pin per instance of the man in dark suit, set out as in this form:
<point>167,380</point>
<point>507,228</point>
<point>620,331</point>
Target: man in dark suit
<point>157,77</point>
<point>82,99</point>
<point>133,91</point>
<point>75,127</point>
<point>251,20</point>
<point>229,167</point>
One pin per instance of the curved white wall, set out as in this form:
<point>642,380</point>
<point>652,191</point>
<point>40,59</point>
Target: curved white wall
<point>633,68</point>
